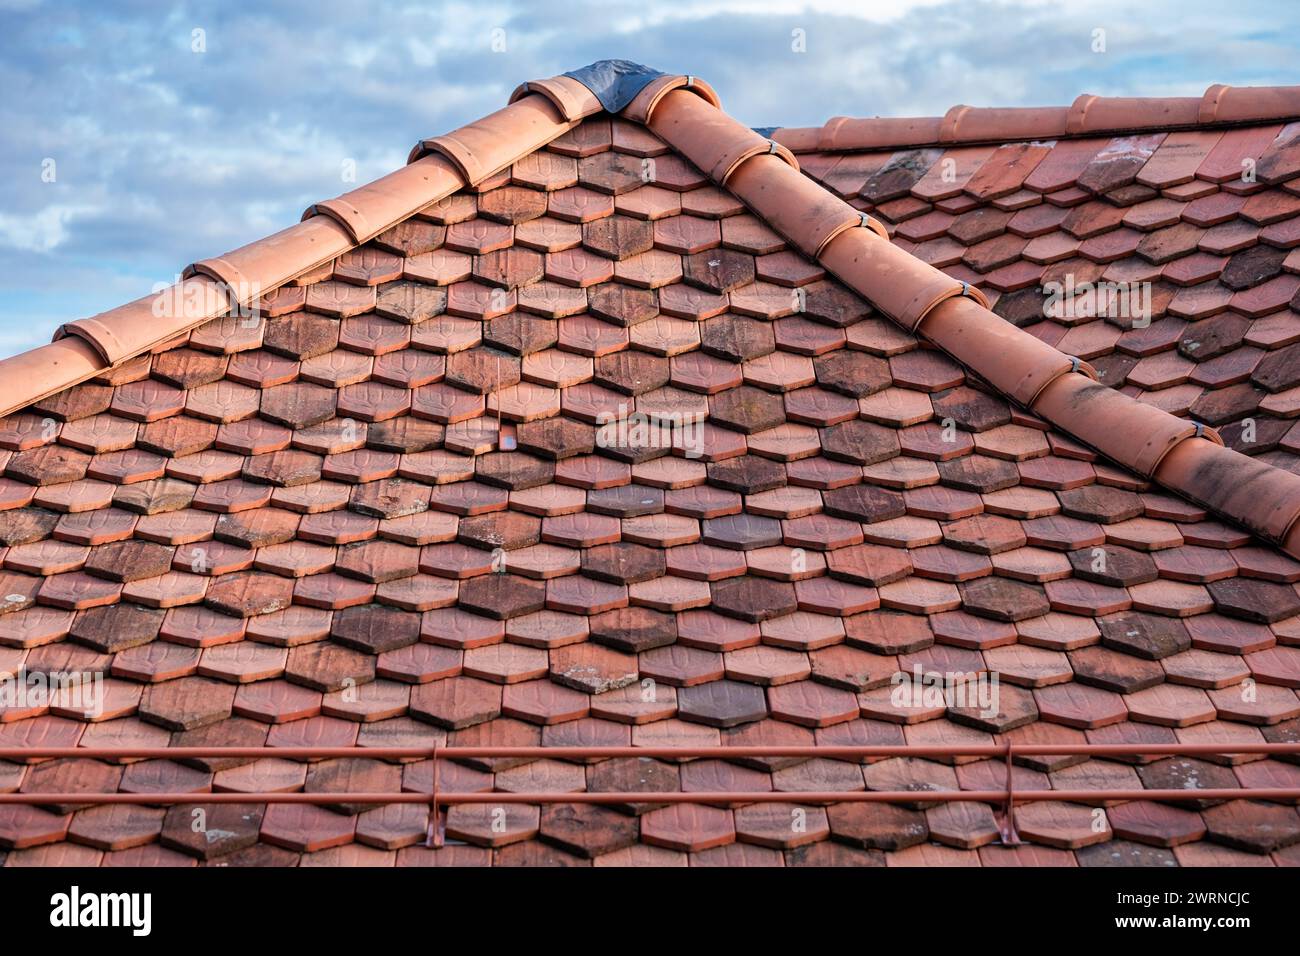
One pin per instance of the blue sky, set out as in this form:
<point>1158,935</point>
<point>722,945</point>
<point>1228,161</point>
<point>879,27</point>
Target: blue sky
<point>178,131</point>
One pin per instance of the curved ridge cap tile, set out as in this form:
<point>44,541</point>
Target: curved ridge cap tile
<point>896,282</point>
<point>710,138</point>
<point>1210,101</point>
<point>807,215</point>
<point>100,332</point>
<point>1136,435</point>
<point>1261,497</point>
<point>486,146</point>
<point>345,213</point>
<point>870,224</point>
<point>461,156</point>
<point>40,372</point>
<point>1014,362</point>
<point>760,147</point>
<point>97,335</point>
<point>368,210</point>
<point>878,227</point>
<point>1076,118</point>
<point>1245,104</point>
<point>799,139</point>
<point>882,131</point>
<point>227,273</point>
<point>1010,124</point>
<point>644,104</point>
<point>951,120</point>
<point>151,320</point>
<point>1115,114</point>
<point>830,132</point>
<point>571,98</point>
<point>267,263</point>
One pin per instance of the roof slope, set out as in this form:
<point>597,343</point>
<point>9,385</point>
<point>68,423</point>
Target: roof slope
<point>244,523</point>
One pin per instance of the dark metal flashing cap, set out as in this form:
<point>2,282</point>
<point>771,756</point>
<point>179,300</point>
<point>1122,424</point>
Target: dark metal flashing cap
<point>614,82</point>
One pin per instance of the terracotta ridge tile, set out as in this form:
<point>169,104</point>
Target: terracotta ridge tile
<point>647,101</point>
<point>1031,372</point>
<point>570,98</point>
<point>709,138</point>
<point>46,370</point>
<point>1089,115</point>
<point>371,209</point>
<point>483,148</point>
<point>128,330</point>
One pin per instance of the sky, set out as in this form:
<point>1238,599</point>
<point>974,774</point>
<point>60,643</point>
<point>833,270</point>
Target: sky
<point>137,137</point>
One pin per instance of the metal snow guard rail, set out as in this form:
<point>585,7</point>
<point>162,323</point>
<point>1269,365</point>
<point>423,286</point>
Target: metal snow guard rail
<point>436,799</point>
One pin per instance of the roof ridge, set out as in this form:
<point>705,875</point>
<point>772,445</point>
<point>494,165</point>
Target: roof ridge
<point>1089,115</point>
<point>1183,456</point>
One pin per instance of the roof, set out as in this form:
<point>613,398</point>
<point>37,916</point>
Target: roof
<point>393,504</point>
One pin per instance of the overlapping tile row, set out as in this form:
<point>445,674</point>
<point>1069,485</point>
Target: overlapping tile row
<point>1068,238</point>
<point>303,530</point>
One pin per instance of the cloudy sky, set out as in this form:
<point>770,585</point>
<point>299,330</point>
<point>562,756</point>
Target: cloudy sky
<point>138,139</point>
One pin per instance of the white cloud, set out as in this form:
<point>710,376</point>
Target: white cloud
<point>42,231</point>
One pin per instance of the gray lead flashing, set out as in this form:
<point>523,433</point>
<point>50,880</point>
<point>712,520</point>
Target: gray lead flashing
<point>614,82</point>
